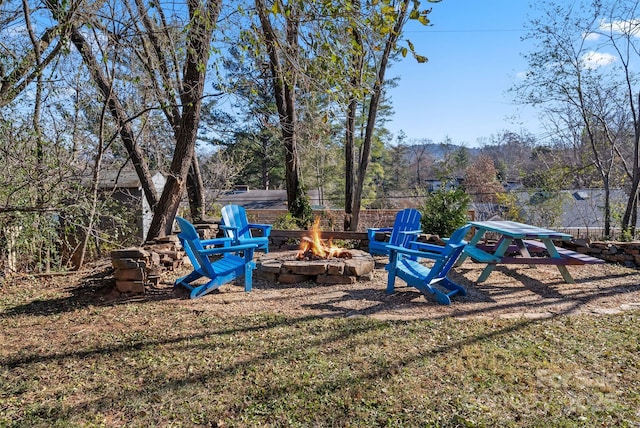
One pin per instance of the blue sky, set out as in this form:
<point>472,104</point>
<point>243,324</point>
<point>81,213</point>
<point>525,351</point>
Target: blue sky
<point>474,50</point>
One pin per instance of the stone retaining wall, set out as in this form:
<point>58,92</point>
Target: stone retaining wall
<point>138,268</point>
<point>624,253</point>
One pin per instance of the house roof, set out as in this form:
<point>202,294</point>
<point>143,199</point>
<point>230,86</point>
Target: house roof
<point>263,199</point>
<point>123,179</point>
<point>116,178</point>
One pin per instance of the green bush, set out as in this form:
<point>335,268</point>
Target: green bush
<point>444,211</point>
<point>286,222</point>
<point>302,212</point>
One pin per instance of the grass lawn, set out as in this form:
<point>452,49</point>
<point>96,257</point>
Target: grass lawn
<point>68,362</point>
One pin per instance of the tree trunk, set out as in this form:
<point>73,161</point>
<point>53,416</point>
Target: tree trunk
<point>197,56</point>
<point>350,169</point>
<point>264,166</point>
<point>357,63</point>
<point>634,216</point>
<point>607,209</point>
<point>630,212</point>
<point>373,111</point>
<point>157,62</point>
<point>195,190</point>
<point>629,219</point>
<point>43,247</point>
<point>94,192</point>
<point>284,83</point>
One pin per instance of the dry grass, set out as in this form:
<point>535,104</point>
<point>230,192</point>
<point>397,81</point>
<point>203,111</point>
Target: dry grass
<point>524,349</point>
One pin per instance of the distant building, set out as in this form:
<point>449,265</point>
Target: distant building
<point>512,185</point>
<point>255,199</point>
<point>578,209</point>
<point>434,184</point>
<point>124,186</point>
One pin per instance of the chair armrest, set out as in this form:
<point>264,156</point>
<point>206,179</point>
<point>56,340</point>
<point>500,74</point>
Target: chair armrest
<point>408,233</point>
<point>229,249</point>
<point>411,232</point>
<point>266,228</point>
<point>230,229</point>
<point>214,241</point>
<point>410,252</point>
<point>424,246</point>
<point>373,230</point>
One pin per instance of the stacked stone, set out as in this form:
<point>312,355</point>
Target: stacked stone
<point>140,267</point>
<point>624,253</point>
<point>284,268</point>
<point>130,266</point>
<point>165,254</point>
<point>208,230</point>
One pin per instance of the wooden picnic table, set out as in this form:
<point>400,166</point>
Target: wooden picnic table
<point>523,239</point>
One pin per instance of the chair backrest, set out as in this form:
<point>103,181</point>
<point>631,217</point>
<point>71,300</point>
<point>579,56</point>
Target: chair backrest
<point>191,243</point>
<point>457,237</point>
<point>453,249</point>
<point>236,216</point>
<point>406,220</point>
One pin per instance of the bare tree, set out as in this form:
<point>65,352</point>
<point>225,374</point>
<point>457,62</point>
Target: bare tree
<point>570,77</point>
<point>171,80</point>
<point>421,161</point>
<point>481,181</point>
<point>118,112</point>
<point>23,63</point>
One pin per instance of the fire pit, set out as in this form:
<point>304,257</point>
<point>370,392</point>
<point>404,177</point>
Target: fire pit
<point>286,268</point>
<point>316,260</point>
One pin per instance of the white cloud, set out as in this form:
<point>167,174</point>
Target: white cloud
<point>597,59</point>
<point>591,37</point>
<point>631,27</point>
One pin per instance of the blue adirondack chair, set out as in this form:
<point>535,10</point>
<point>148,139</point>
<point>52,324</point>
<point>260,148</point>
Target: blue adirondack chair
<point>237,227</point>
<point>405,227</point>
<point>224,269</point>
<point>404,263</point>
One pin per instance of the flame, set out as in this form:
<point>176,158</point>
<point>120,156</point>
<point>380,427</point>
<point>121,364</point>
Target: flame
<point>316,246</point>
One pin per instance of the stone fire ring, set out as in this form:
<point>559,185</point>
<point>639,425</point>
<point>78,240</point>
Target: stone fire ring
<point>283,267</point>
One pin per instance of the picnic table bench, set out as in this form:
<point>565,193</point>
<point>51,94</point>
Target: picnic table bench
<point>515,244</point>
<point>572,257</point>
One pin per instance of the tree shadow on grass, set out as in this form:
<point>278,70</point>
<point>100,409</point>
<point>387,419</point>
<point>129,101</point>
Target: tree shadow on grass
<point>217,374</point>
<point>519,294</point>
<point>405,301</point>
<point>95,288</point>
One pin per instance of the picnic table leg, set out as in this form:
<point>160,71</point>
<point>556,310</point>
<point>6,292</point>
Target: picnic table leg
<point>553,252</point>
<point>500,250</point>
<point>524,252</point>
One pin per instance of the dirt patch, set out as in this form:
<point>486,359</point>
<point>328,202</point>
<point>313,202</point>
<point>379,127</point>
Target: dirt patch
<point>510,291</point>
